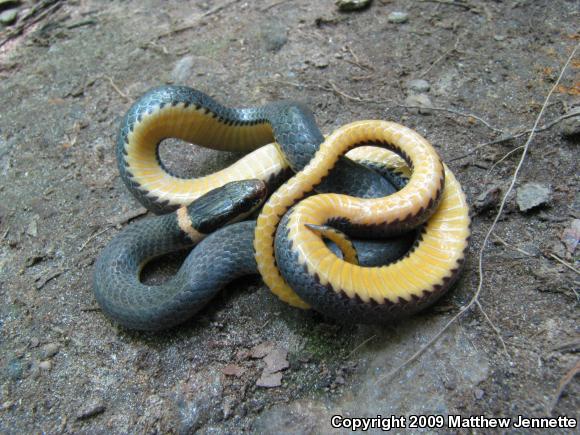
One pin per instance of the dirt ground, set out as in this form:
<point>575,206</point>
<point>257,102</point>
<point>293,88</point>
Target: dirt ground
<point>67,80</point>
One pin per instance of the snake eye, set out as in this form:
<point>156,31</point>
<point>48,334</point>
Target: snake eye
<point>229,203</point>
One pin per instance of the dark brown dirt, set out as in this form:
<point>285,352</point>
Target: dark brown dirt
<point>66,82</point>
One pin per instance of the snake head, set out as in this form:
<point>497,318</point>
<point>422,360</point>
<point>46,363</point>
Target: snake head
<point>227,204</point>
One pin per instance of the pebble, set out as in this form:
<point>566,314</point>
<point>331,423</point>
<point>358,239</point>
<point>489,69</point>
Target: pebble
<point>91,410</point>
<point>418,85</point>
<point>8,17</point>
<point>571,236</point>
<point>532,195</point>
<point>422,101</point>
<point>487,200</point>
<point>45,365</point>
<point>479,393</point>
<point>182,70</point>
<point>50,350</point>
<point>571,126</point>
<point>352,5</point>
<point>276,360</point>
<point>269,380</point>
<point>398,17</point>
<point>274,35</point>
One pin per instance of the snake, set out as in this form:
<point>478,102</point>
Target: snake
<point>367,225</point>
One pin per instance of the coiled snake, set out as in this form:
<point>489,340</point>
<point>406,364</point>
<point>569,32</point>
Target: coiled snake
<point>298,243</point>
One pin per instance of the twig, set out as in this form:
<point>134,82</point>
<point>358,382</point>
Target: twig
<point>273,5</point>
<point>357,61</point>
<point>97,234</point>
<point>517,135</point>
<point>196,20</point>
<point>48,6</point>
<point>521,251</point>
<point>351,353</point>
<point>566,379</point>
<point>461,4</point>
<point>495,328</point>
<point>456,112</point>
<point>568,265</point>
<point>502,159</point>
<point>440,58</point>
<point>475,298</point>
<point>42,282</point>
<point>121,93</point>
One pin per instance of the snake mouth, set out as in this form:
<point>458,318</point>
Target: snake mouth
<point>227,204</point>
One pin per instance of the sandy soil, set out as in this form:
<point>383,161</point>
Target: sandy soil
<point>68,79</point>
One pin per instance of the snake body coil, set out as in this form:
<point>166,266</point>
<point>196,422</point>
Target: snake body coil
<point>299,244</point>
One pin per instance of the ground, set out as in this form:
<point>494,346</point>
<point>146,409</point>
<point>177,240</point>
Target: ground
<point>68,79</point>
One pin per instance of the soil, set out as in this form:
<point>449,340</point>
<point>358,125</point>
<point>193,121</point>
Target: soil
<point>68,79</point>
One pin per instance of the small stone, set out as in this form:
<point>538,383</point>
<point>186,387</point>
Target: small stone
<point>50,350</point>
<point>532,195</point>
<point>45,365</point>
<point>269,380</point>
<point>182,70</point>
<point>34,342</point>
<point>420,101</point>
<point>487,200</point>
<point>499,38</point>
<point>8,17</point>
<point>571,236</point>
<point>91,410</point>
<point>571,126</point>
<point>276,361</point>
<point>479,393</point>
<point>418,85</point>
<point>262,349</point>
<point>32,229</point>
<point>233,370</point>
<point>319,61</point>
<point>352,5</point>
<point>398,17</point>
<point>274,35</point>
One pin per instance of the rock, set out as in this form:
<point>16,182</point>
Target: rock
<point>182,70</point>
<point>8,17</point>
<point>487,200</point>
<point>571,236</point>
<point>262,349</point>
<point>398,17</point>
<point>319,61</point>
<point>479,393</point>
<point>233,370</point>
<point>571,126</point>
<point>352,5</point>
<point>274,35</point>
<point>420,101</point>
<point>32,229</point>
<point>91,410</point>
<point>269,380</point>
<point>418,85</point>
<point>532,195</point>
<point>45,365</point>
<point>276,361</point>
<point>50,350</point>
